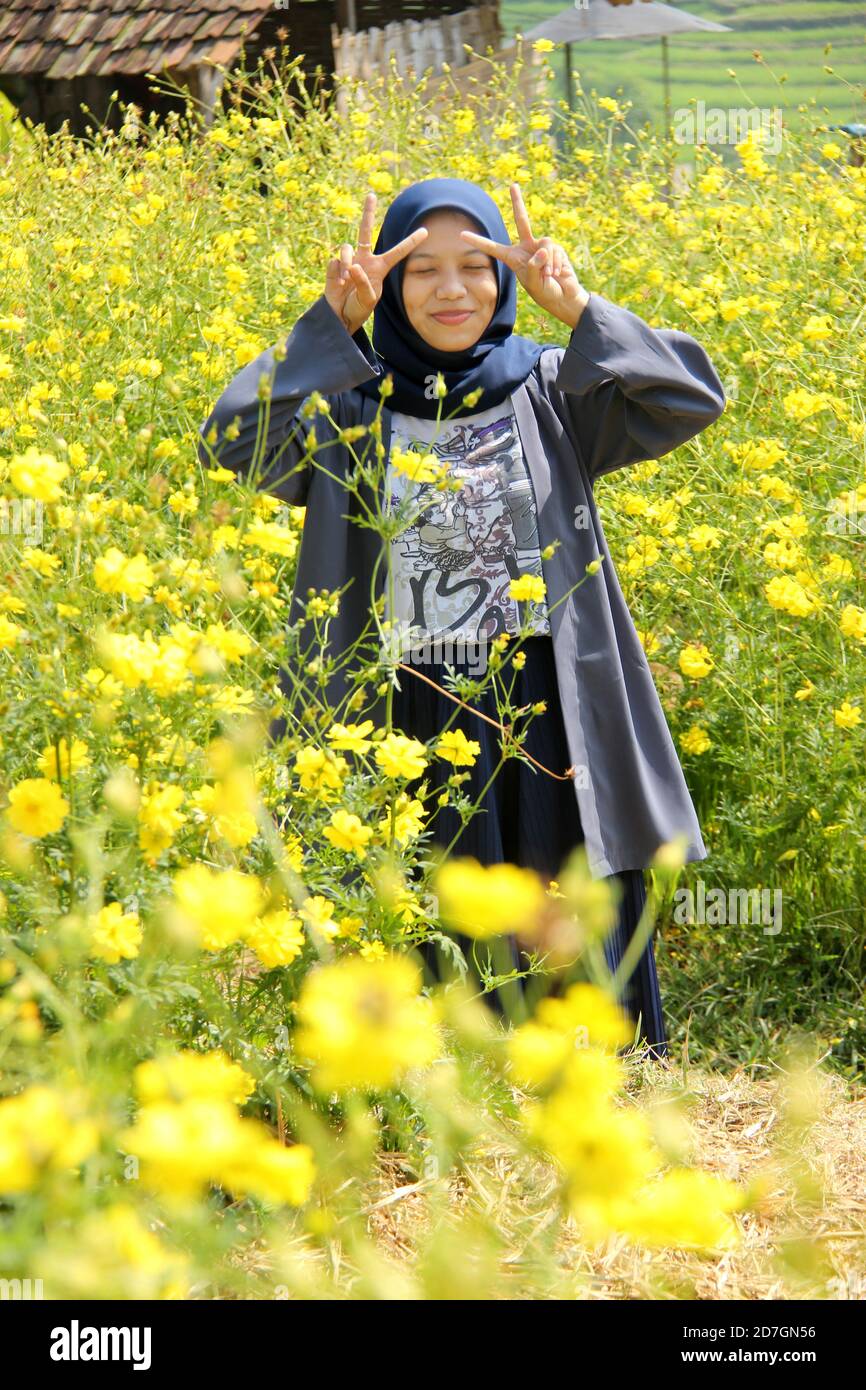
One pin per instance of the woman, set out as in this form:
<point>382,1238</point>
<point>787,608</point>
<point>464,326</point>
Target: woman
<point>557,419</point>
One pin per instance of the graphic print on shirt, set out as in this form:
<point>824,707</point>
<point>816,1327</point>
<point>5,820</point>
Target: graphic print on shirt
<point>453,566</point>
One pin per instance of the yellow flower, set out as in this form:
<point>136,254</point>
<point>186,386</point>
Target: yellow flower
<point>180,1075</point>
<point>456,748</point>
<point>319,912</point>
<point>184,1146</point>
<point>274,1172</point>
<point>408,819</point>
<point>585,1017</point>
<point>37,807</point>
<point>529,587</point>
<point>365,1024</point>
<point>9,632</point>
<point>419,468</point>
<point>695,661</point>
<point>115,933</point>
<point>38,475</point>
<point>159,818</point>
<point>484,902</point>
<point>400,756</point>
<point>800,404</point>
<point>347,832</point>
<point>40,561</point>
<point>686,1209</point>
<point>852,622</point>
<point>42,1129</point>
<point>817,328</point>
<point>219,905</point>
<point>272,538</point>
<point>351,737</point>
<point>183,503</point>
<point>805,691</point>
<point>116,573</point>
<point>320,772</point>
<point>605,1152</point>
<point>847,716</point>
<point>789,595</point>
<point>231,805</point>
<point>71,760</point>
<point>703,538</point>
<point>696,740</point>
<point>277,938</point>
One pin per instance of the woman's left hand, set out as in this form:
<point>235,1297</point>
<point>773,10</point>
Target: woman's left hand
<point>540,264</point>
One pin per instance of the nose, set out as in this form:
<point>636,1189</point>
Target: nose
<point>452,289</point>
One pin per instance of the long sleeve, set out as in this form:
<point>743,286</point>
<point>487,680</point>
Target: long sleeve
<point>634,392</point>
<point>320,355</point>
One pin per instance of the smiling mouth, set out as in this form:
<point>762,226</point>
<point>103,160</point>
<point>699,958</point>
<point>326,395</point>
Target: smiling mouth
<point>453,315</point>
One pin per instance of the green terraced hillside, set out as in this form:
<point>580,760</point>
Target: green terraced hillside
<point>791,36</point>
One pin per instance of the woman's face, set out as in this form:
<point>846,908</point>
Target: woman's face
<point>445,275</point>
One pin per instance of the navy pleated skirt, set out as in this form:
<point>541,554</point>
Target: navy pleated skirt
<point>526,817</point>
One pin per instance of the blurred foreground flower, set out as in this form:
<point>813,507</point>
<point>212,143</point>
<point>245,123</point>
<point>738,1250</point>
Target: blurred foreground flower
<point>484,902</point>
<point>364,1023</point>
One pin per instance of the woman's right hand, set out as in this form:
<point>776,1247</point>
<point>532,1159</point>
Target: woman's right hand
<point>353,284</point>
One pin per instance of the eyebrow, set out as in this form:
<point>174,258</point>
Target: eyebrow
<point>470,251</point>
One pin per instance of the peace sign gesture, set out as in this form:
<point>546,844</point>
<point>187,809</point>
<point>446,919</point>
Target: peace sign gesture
<point>540,264</point>
<point>353,284</point>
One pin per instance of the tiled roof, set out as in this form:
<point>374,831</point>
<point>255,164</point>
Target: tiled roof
<point>71,38</point>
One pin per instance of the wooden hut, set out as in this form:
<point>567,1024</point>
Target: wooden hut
<point>56,55</point>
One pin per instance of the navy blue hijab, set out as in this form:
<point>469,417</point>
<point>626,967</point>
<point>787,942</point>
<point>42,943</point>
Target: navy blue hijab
<point>498,361</point>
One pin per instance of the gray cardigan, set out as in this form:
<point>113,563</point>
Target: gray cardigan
<point>621,392</point>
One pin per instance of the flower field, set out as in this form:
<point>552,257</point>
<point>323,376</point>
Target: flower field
<point>223,1071</point>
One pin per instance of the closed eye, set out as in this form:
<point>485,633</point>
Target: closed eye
<point>430,270</point>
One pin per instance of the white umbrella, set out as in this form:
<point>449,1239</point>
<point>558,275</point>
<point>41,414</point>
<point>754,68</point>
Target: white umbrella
<point>600,19</point>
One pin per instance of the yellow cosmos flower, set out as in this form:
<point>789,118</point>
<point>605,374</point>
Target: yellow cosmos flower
<point>419,468</point>
<point>42,1130</point>
<point>40,562</point>
<point>789,595</point>
<point>71,759</point>
<point>185,1146</point>
<point>684,1209</point>
<point>39,475</point>
<point>181,1075</point>
<point>585,1017</point>
<point>696,740</point>
<point>159,817</point>
<point>218,905</point>
<point>847,716</point>
<point>277,938</point>
<point>852,622</point>
<point>116,573</point>
<point>346,831</point>
<point>115,934</point>
<point>320,772</point>
<point>528,588</point>
<point>319,912</point>
<point>484,902</point>
<point>10,633</point>
<point>704,537</point>
<point>363,1023</point>
<point>401,756</point>
<point>695,661</point>
<point>409,818</point>
<point>351,738</point>
<point>37,807</point>
<point>456,748</point>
